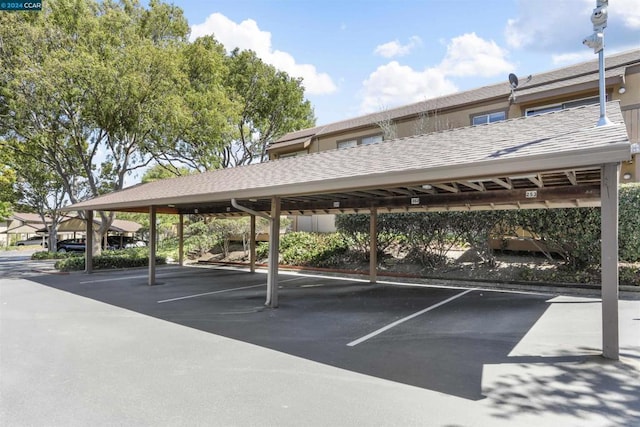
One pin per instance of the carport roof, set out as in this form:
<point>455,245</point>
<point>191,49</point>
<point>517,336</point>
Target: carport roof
<point>80,224</point>
<point>548,160</point>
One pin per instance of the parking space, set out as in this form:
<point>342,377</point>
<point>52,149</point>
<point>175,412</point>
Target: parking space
<point>436,338</point>
<point>200,348</point>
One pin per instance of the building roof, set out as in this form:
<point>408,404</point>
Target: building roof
<point>559,78</point>
<point>79,224</point>
<point>558,148</point>
<point>28,217</point>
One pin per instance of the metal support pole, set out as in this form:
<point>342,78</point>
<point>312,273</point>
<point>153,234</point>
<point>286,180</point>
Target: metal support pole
<point>609,259</point>
<point>274,253</point>
<point>181,240</point>
<point>152,245</point>
<point>88,252</point>
<point>604,120</point>
<point>373,245</point>
<point>252,244</point>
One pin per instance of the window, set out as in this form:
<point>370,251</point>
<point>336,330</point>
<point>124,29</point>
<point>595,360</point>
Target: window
<point>558,107</point>
<point>347,144</point>
<point>371,139</point>
<point>488,118</point>
<point>365,140</point>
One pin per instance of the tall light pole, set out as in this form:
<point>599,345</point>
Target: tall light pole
<point>596,42</point>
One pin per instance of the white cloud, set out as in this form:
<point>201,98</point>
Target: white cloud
<point>247,35</point>
<point>628,11</point>
<point>393,84</point>
<point>541,27</point>
<point>470,55</point>
<point>467,55</point>
<point>394,48</point>
<point>563,27</point>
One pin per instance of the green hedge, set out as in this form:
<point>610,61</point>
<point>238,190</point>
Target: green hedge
<point>314,249</point>
<point>629,222</point>
<point>310,249</point>
<point>53,255</point>
<point>573,233</point>
<point>128,258</point>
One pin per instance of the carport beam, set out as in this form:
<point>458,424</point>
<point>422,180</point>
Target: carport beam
<point>609,259</point>
<point>88,251</point>
<point>373,245</point>
<point>152,245</point>
<point>274,254</point>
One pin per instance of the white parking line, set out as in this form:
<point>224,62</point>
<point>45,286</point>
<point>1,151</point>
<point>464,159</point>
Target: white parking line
<point>404,319</point>
<point>211,293</point>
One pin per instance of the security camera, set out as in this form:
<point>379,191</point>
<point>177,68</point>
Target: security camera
<point>599,17</point>
<point>595,41</point>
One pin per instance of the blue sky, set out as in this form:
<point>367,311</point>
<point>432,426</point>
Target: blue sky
<point>361,56</point>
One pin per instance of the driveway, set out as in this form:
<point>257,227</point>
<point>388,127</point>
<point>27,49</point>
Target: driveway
<point>200,349</point>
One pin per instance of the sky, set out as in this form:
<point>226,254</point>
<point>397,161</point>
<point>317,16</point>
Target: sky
<point>364,56</point>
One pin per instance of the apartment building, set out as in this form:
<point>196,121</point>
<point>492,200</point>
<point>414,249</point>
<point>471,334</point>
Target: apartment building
<point>534,94</point>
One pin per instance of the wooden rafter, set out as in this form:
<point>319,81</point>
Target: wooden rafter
<point>506,183</point>
<point>453,188</point>
<point>476,186</point>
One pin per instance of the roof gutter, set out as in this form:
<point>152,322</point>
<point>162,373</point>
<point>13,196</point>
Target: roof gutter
<point>235,204</point>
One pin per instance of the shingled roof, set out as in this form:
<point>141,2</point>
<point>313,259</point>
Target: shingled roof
<point>563,144</point>
<point>539,83</point>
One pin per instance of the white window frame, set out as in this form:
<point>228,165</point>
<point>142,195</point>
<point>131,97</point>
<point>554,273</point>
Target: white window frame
<point>362,140</point>
<point>373,139</point>
<point>347,144</point>
<point>496,116</point>
<point>534,111</point>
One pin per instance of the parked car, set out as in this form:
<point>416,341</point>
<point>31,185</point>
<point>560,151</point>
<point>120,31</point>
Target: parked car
<point>78,245</point>
<point>32,241</point>
<point>117,242</point>
<point>72,245</point>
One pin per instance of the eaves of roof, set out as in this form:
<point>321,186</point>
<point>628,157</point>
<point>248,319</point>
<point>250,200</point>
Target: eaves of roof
<point>564,139</point>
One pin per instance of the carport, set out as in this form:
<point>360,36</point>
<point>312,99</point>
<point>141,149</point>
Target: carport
<point>554,160</point>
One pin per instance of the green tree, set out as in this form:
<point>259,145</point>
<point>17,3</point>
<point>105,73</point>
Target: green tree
<point>162,171</point>
<point>271,104</point>
<point>206,125</point>
<point>84,84</point>
<point>8,194</point>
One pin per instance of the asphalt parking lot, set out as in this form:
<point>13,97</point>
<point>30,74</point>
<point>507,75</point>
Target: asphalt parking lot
<point>517,358</point>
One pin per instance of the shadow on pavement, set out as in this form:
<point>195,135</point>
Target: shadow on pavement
<point>445,350</point>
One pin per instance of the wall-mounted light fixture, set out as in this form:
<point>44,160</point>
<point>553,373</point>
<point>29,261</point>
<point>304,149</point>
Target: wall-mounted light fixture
<point>626,176</point>
<point>623,86</point>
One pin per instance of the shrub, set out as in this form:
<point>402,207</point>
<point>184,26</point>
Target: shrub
<point>629,275</point>
<point>574,233</point>
<point>314,249</point>
<point>128,258</point>
<point>355,229</point>
<point>629,222</point>
<point>262,250</point>
<point>52,255</point>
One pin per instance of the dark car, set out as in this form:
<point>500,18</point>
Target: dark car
<point>72,245</point>
<point>32,241</point>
